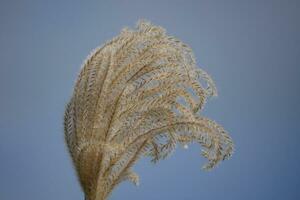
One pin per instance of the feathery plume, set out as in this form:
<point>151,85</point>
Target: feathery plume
<point>139,94</point>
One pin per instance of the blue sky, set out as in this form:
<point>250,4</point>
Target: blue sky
<point>250,48</point>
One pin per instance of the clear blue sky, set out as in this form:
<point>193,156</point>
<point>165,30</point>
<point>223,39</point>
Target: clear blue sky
<point>251,49</point>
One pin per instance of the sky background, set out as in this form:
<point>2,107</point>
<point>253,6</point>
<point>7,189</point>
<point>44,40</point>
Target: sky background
<point>250,48</point>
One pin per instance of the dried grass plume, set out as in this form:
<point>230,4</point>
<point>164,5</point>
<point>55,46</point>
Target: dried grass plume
<point>140,94</point>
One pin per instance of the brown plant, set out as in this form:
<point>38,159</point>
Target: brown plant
<point>139,94</point>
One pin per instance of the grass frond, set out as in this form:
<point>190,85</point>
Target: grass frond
<point>139,94</point>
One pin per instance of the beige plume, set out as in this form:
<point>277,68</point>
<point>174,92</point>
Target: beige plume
<point>139,94</point>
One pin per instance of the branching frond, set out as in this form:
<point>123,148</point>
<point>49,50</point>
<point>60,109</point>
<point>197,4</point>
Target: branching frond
<point>138,95</point>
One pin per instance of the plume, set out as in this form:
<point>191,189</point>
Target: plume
<point>140,94</point>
